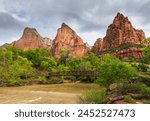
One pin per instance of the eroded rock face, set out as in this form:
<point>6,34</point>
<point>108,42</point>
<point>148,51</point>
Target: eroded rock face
<point>31,39</point>
<point>98,46</point>
<point>130,52</point>
<point>67,39</point>
<point>47,42</point>
<point>120,32</point>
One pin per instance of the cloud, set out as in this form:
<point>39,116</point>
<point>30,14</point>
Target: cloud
<point>8,22</point>
<point>87,17</point>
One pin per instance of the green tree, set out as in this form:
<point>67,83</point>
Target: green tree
<point>75,64</point>
<point>90,62</point>
<point>111,70</point>
<point>62,68</point>
<point>15,52</point>
<point>147,54</point>
<point>147,40</point>
<point>36,56</point>
<point>64,57</point>
<point>48,63</point>
<point>21,68</point>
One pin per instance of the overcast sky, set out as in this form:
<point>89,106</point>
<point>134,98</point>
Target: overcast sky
<point>89,18</point>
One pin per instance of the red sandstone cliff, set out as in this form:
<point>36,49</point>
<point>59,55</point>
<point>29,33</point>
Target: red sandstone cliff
<point>31,39</point>
<point>120,32</point>
<point>67,39</point>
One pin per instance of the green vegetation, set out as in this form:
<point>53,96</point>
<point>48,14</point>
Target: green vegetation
<point>147,40</point>
<point>18,68</point>
<point>147,55</point>
<point>112,70</point>
<point>121,47</point>
<point>94,96</point>
<point>128,99</point>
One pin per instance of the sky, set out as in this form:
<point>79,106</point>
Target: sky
<point>89,18</point>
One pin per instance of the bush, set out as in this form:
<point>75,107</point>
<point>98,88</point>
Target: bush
<point>147,55</point>
<point>94,96</point>
<point>145,79</point>
<point>145,91</point>
<point>142,67</point>
<point>130,88</point>
<point>112,70</point>
<point>128,99</point>
<point>53,80</point>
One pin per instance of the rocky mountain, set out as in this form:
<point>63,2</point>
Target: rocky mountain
<point>67,39</point>
<point>31,39</point>
<point>98,45</point>
<point>120,36</point>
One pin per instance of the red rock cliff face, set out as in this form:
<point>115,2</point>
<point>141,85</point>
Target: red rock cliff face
<point>67,39</point>
<point>120,32</point>
<point>31,39</point>
<point>98,46</point>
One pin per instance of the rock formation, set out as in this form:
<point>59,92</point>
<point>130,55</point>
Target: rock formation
<point>98,45</point>
<point>67,39</point>
<point>31,39</point>
<point>121,32</point>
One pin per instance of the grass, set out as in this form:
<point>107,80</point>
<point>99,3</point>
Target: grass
<point>128,99</point>
<point>96,96</point>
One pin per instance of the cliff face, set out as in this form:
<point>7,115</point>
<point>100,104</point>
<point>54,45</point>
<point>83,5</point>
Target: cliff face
<point>31,39</point>
<point>67,39</point>
<point>98,45</point>
<point>120,32</point>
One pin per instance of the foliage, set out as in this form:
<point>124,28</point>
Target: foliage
<point>91,61</point>
<point>62,68</point>
<point>147,55</point>
<point>36,56</point>
<point>145,91</point>
<point>130,88</point>
<point>147,40</point>
<point>48,63</point>
<point>111,69</point>
<point>128,99</point>
<point>53,80</point>
<point>142,67</point>
<point>64,56</point>
<point>75,64</point>
<point>144,77</point>
<point>97,96</point>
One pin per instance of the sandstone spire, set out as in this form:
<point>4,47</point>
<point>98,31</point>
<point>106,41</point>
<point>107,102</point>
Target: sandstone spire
<point>121,33</point>
<point>31,39</point>
<point>67,39</point>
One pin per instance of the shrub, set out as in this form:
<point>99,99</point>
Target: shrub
<point>111,70</point>
<point>130,88</point>
<point>53,80</point>
<point>145,91</point>
<point>145,79</point>
<point>128,99</point>
<point>142,67</point>
<point>147,54</point>
<point>94,96</point>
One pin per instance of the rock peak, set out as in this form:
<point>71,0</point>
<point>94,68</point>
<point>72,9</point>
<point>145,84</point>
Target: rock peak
<point>31,39</point>
<point>30,29</point>
<point>67,39</point>
<point>119,15</point>
<point>64,25</point>
<point>119,34</point>
<point>119,19</point>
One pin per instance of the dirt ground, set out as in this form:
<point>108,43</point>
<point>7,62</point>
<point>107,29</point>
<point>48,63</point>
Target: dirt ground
<point>44,94</point>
